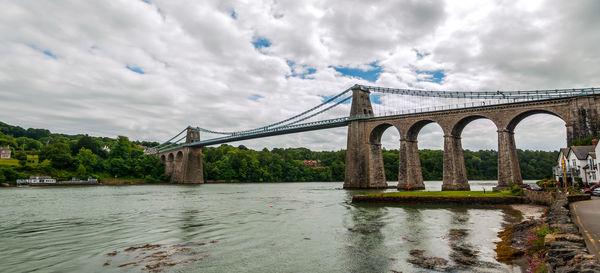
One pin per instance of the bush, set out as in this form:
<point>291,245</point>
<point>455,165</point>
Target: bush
<point>516,190</point>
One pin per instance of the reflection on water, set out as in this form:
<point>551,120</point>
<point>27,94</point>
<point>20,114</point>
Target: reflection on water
<point>366,249</point>
<point>262,227</point>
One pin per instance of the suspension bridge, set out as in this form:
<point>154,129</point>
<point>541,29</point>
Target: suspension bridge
<point>374,109</point>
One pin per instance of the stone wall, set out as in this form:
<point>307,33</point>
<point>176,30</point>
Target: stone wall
<point>566,250</point>
<point>541,197</point>
<point>547,198</point>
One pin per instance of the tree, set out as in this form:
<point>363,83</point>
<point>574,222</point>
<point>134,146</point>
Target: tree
<point>22,157</point>
<point>81,171</point>
<point>118,166</point>
<point>88,143</point>
<point>86,159</point>
<point>122,148</point>
<point>59,155</point>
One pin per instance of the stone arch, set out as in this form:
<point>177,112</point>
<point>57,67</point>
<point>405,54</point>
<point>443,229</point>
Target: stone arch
<point>415,128</point>
<point>515,120</point>
<point>459,126</point>
<point>163,159</point>
<point>377,132</point>
<point>375,155</point>
<point>170,164</point>
<point>179,156</point>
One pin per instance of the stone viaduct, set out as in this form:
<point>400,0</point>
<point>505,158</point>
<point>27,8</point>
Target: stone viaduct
<point>364,162</point>
<point>185,164</point>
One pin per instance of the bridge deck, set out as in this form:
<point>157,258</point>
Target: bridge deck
<point>339,122</point>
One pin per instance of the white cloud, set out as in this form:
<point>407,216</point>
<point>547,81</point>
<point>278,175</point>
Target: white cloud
<point>200,67</point>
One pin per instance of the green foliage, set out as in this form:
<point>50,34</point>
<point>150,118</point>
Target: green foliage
<point>516,190</point>
<point>59,155</point>
<point>28,144</point>
<point>230,163</point>
<point>17,131</point>
<point>86,160</point>
<point>122,148</point>
<point>22,157</point>
<point>583,141</point>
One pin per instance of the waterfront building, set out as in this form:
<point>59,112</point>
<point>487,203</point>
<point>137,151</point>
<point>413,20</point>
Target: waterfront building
<point>36,180</point>
<point>591,169</point>
<point>5,152</point>
<point>578,159</point>
<point>580,164</point>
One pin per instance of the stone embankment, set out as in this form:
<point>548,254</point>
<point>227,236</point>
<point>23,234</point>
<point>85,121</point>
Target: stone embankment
<point>566,249</point>
<point>548,198</point>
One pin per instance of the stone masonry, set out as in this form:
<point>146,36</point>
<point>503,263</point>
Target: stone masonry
<point>185,164</point>
<point>364,163</point>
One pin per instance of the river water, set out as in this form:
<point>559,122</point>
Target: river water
<point>254,227</point>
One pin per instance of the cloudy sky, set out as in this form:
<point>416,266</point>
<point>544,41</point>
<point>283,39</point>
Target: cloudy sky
<point>148,68</point>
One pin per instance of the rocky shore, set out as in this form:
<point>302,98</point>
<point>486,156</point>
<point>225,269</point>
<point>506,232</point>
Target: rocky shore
<point>462,254</point>
<point>561,250</point>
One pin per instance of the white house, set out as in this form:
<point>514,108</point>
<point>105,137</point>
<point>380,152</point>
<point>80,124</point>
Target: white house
<point>5,152</point>
<point>577,160</point>
<point>591,170</point>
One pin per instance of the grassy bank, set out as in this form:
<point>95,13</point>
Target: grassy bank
<point>441,197</point>
<point>446,194</point>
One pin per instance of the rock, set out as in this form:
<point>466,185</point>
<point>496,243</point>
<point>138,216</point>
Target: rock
<point>550,238</point>
<point>427,262</point>
<point>462,260</point>
<point>565,228</point>
<point>564,244</point>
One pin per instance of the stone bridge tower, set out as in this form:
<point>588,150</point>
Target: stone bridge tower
<point>185,164</point>
<point>364,163</point>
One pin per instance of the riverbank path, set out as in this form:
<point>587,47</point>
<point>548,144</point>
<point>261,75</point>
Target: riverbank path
<point>587,216</point>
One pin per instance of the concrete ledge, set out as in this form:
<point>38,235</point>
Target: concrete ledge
<point>456,188</point>
<point>438,200</point>
<point>412,188</point>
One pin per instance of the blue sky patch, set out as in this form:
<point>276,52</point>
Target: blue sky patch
<point>376,98</point>
<point>420,55</point>
<point>325,98</point>
<point>261,42</point>
<point>233,14</point>
<point>304,71</point>
<point>135,69</point>
<point>435,76</point>
<point>49,53</point>
<point>255,97</point>
<point>371,74</point>
<point>147,1</point>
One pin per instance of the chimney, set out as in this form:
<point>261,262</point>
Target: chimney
<point>594,142</point>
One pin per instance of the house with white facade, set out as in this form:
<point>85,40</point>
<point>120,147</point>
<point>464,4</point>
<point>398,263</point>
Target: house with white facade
<point>36,180</point>
<point>5,152</point>
<point>577,160</point>
<point>591,170</point>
